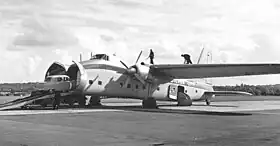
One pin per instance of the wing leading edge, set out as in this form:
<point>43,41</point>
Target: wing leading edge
<point>186,71</point>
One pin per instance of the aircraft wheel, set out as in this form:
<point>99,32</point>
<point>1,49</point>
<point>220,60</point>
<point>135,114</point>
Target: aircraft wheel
<point>82,101</point>
<point>94,101</point>
<point>207,101</point>
<point>23,107</point>
<point>149,103</point>
<point>184,99</point>
<point>70,101</point>
<point>43,104</point>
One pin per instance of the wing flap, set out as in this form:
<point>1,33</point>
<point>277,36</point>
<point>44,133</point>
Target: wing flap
<point>186,71</point>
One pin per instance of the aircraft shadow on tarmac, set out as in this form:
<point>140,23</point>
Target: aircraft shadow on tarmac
<point>177,111</point>
<point>215,105</point>
<point>138,108</point>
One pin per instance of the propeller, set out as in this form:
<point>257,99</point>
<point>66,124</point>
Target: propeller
<point>133,71</point>
<point>138,57</point>
<point>200,55</point>
<point>124,64</point>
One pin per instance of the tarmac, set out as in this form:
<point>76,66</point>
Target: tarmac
<point>122,122</point>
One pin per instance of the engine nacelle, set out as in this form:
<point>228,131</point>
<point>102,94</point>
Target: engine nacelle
<point>143,71</point>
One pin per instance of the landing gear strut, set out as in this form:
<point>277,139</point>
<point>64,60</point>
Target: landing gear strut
<point>82,101</point>
<point>94,101</point>
<point>207,102</point>
<point>150,103</point>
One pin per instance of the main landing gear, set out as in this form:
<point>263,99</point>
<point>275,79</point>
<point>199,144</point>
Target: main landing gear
<point>82,101</point>
<point>94,101</point>
<point>184,99</point>
<point>149,103</point>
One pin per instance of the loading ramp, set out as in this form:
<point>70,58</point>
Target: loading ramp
<point>18,103</point>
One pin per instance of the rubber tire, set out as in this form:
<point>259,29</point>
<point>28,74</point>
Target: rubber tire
<point>149,103</point>
<point>44,104</point>
<point>184,99</point>
<point>82,101</point>
<point>70,101</point>
<point>208,102</point>
<point>95,101</point>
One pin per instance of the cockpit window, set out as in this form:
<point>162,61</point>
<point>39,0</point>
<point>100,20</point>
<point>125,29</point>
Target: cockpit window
<point>59,79</point>
<point>100,57</point>
<point>48,79</point>
<point>65,79</point>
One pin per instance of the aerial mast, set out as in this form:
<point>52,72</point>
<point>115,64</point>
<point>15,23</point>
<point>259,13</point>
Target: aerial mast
<point>81,57</point>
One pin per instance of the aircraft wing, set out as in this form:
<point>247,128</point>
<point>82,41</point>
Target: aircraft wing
<point>187,71</point>
<point>227,93</point>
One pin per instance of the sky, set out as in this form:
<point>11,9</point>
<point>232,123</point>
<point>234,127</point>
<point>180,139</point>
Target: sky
<point>35,33</point>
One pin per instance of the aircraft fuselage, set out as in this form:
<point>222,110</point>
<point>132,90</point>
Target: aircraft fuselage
<point>108,82</point>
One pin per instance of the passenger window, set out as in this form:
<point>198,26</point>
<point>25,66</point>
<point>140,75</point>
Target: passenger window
<point>144,87</point>
<point>99,82</point>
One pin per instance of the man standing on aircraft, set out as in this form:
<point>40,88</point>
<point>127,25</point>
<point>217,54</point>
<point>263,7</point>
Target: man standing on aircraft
<point>187,58</point>
<point>151,56</point>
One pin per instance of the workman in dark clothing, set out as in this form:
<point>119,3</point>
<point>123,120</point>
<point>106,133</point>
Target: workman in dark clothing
<point>56,100</point>
<point>151,56</point>
<point>187,58</point>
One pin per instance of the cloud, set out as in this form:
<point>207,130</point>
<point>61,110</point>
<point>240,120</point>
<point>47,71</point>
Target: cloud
<point>64,56</point>
<point>32,63</point>
<point>234,31</point>
<point>106,38</point>
<point>37,32</point>
<point>128,4</point>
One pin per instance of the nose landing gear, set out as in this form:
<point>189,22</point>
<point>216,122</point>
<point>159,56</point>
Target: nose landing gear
<point>207,101</point>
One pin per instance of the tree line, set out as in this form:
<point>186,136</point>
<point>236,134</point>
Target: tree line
<point>257,90</point>
<point>264,90</point>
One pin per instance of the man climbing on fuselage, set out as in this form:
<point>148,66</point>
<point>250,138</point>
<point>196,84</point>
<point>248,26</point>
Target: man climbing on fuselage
<point>187,58</point>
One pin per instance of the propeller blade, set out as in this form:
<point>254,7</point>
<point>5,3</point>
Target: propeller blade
<point>138,57</point>
<point>140,79</point>
<point>124,64</point>
<point>200,55</point>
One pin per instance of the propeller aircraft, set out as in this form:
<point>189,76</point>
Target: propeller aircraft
<point>107,75</point>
